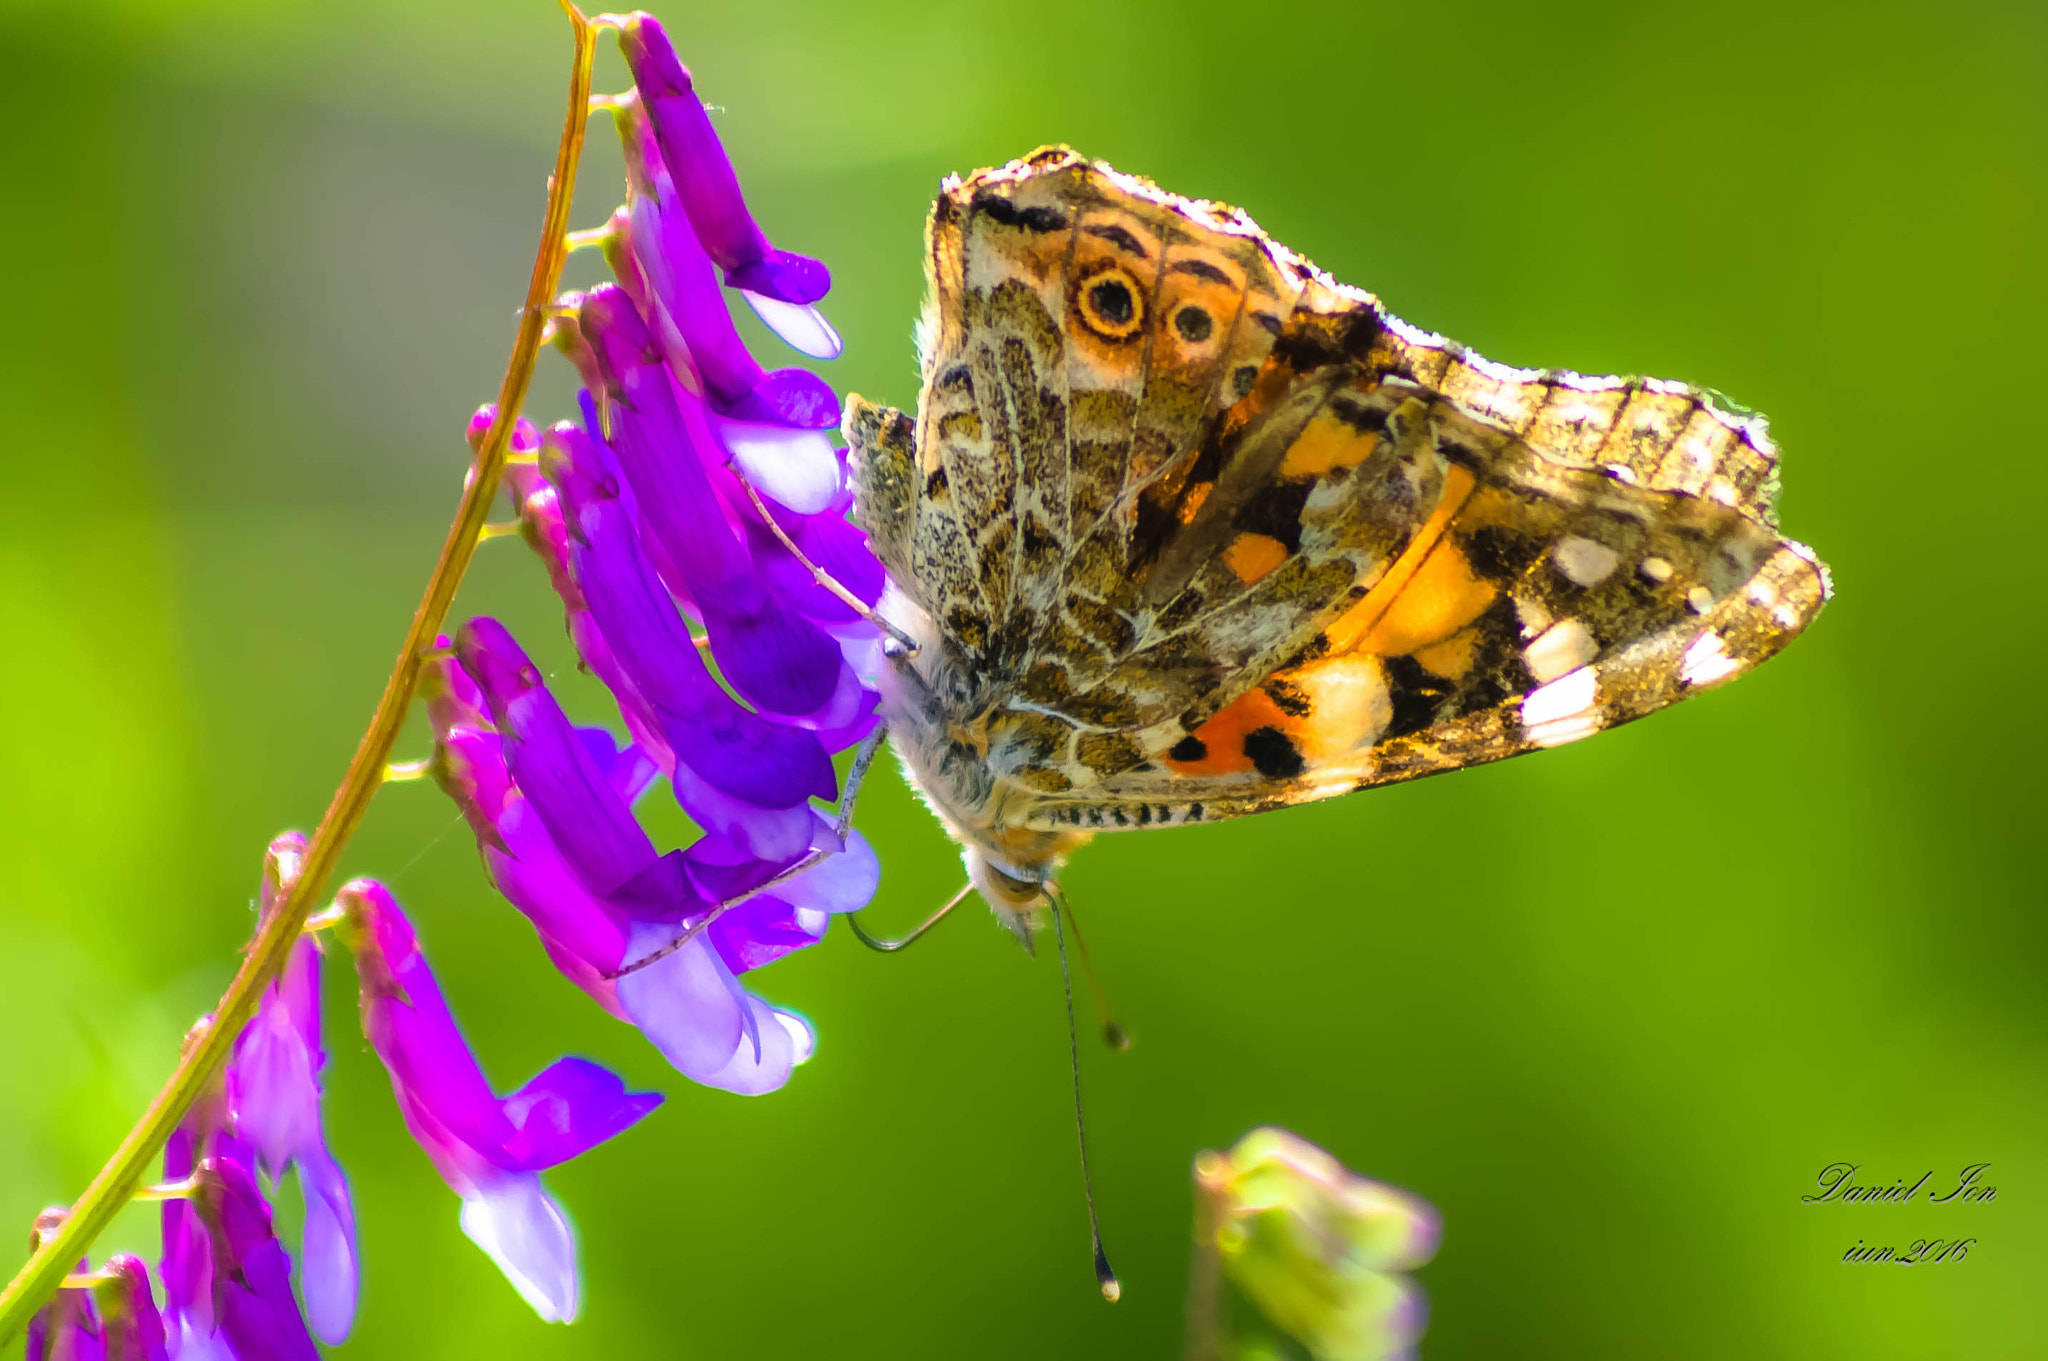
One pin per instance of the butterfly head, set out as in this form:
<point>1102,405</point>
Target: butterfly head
<point>1014,893</point>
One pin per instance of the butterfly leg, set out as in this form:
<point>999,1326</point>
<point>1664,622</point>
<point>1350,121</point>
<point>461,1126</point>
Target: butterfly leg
<point>820,575</point>
<point>863,758</point>
<point>891,946</point>
<point>856,775</point>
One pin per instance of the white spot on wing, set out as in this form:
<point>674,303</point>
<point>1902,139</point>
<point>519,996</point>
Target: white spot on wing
<point>1564,646</point>
<point>1707,661</point>
<point>1656,571</point>
<point>1584,562</point>
<point>1565,710</point>
<point>1699,600</point>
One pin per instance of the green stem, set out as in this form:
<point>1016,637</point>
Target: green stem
<point>204,1056</point>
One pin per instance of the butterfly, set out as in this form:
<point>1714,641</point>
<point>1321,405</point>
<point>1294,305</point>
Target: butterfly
<point>1184,529</point>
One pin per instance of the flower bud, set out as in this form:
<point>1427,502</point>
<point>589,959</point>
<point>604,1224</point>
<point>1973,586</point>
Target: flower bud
<point>1318,1248</point>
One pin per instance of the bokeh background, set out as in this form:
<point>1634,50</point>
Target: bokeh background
<point>1611,1008</point>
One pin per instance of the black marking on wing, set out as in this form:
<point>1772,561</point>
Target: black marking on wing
<point>1040,219</point>
<point>1273,754</point>
<point>1118,237</point>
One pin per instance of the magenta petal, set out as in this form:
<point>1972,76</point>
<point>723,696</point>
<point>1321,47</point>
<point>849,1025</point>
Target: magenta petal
<point>441,1092</point>
<point>783,276</point>
<point>591,826</point>
<point>743,754</point>
<point>784,664</point>
<point>762,930</point>
<point>275,1096</point>
<point>838,883</point>
<point>328,1264</point>
<point>764,833</point>
<point>535,879</point>
<point>571,1106</point>
<point>703,174</point>
<point>254,1307</point>
<point>132,1329</point>
<point>66,1329</point>
<point>795,397</point>
<point>516,1222</point>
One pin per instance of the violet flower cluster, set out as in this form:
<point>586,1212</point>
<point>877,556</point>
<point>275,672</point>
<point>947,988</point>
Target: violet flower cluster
<point>648,513</point>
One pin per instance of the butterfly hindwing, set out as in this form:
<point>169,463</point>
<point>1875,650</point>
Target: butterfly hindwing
<point>1538,604</point>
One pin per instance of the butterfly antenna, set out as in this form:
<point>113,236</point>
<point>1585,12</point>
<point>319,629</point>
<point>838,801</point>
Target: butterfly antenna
<point>1113,1034</point>
<point>1112,1290</point>
<point>891,946</point>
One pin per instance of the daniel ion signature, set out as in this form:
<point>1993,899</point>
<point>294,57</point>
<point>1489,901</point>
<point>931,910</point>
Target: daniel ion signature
<point>1840,1183</point>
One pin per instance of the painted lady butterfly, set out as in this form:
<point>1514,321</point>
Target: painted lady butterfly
<point>1184,529</point>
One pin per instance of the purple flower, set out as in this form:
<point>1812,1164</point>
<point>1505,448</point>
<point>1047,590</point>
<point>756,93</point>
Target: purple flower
<point>247,1276</point>
<point>652,518</point>
<point>563,846</point>
<point>68,1327</point>
<point>273,1094</point>
<point>124,1327</point>
<point>489,1149</point>
<point>777,659</point>
<point>264,1113</point>
<point>778,284</point>
<point>133,1331</point>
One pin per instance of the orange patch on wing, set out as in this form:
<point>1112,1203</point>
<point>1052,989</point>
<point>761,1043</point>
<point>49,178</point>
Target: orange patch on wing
<point>1324,444</point>
<point>1192,500</point>
<point>1222,737</point>
<point>1452,657</point>
<point>1428,594</point>
<point>1252,556</point>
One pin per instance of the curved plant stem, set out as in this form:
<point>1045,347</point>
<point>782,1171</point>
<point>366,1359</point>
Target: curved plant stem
<point>265,955</point>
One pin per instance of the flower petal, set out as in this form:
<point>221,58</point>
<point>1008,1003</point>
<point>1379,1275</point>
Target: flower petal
<point>839,883</point>
<point>571,1106</point>
<point>761,1063</point>
<point>519,1225</point>
<point>684,1003</point>
<point>703,174</point>
<point>800,326</point>
<point>590,824</point>
<point>792,467</point>
<point>328,1267</point>
<point>254,1307</point>
<point>132,1328</point>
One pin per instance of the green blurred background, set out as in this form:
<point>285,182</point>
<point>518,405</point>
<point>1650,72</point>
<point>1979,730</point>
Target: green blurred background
<point>1610,1008</point>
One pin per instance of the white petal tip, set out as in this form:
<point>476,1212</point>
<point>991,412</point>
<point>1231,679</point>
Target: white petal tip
<point>796,469</point>
<point>519,1225</point>
<point>802,328</point>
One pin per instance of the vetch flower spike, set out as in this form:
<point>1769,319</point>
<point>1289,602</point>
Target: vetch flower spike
<point>488,1149</point>
<point>273,1093</point>
<point>167,1120</point>
<point>1319,1250</point>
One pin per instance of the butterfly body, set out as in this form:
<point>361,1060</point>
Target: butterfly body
<point>1184,529</point>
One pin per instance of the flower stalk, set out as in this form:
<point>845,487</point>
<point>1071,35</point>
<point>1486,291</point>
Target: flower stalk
<point>207,1051</point>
